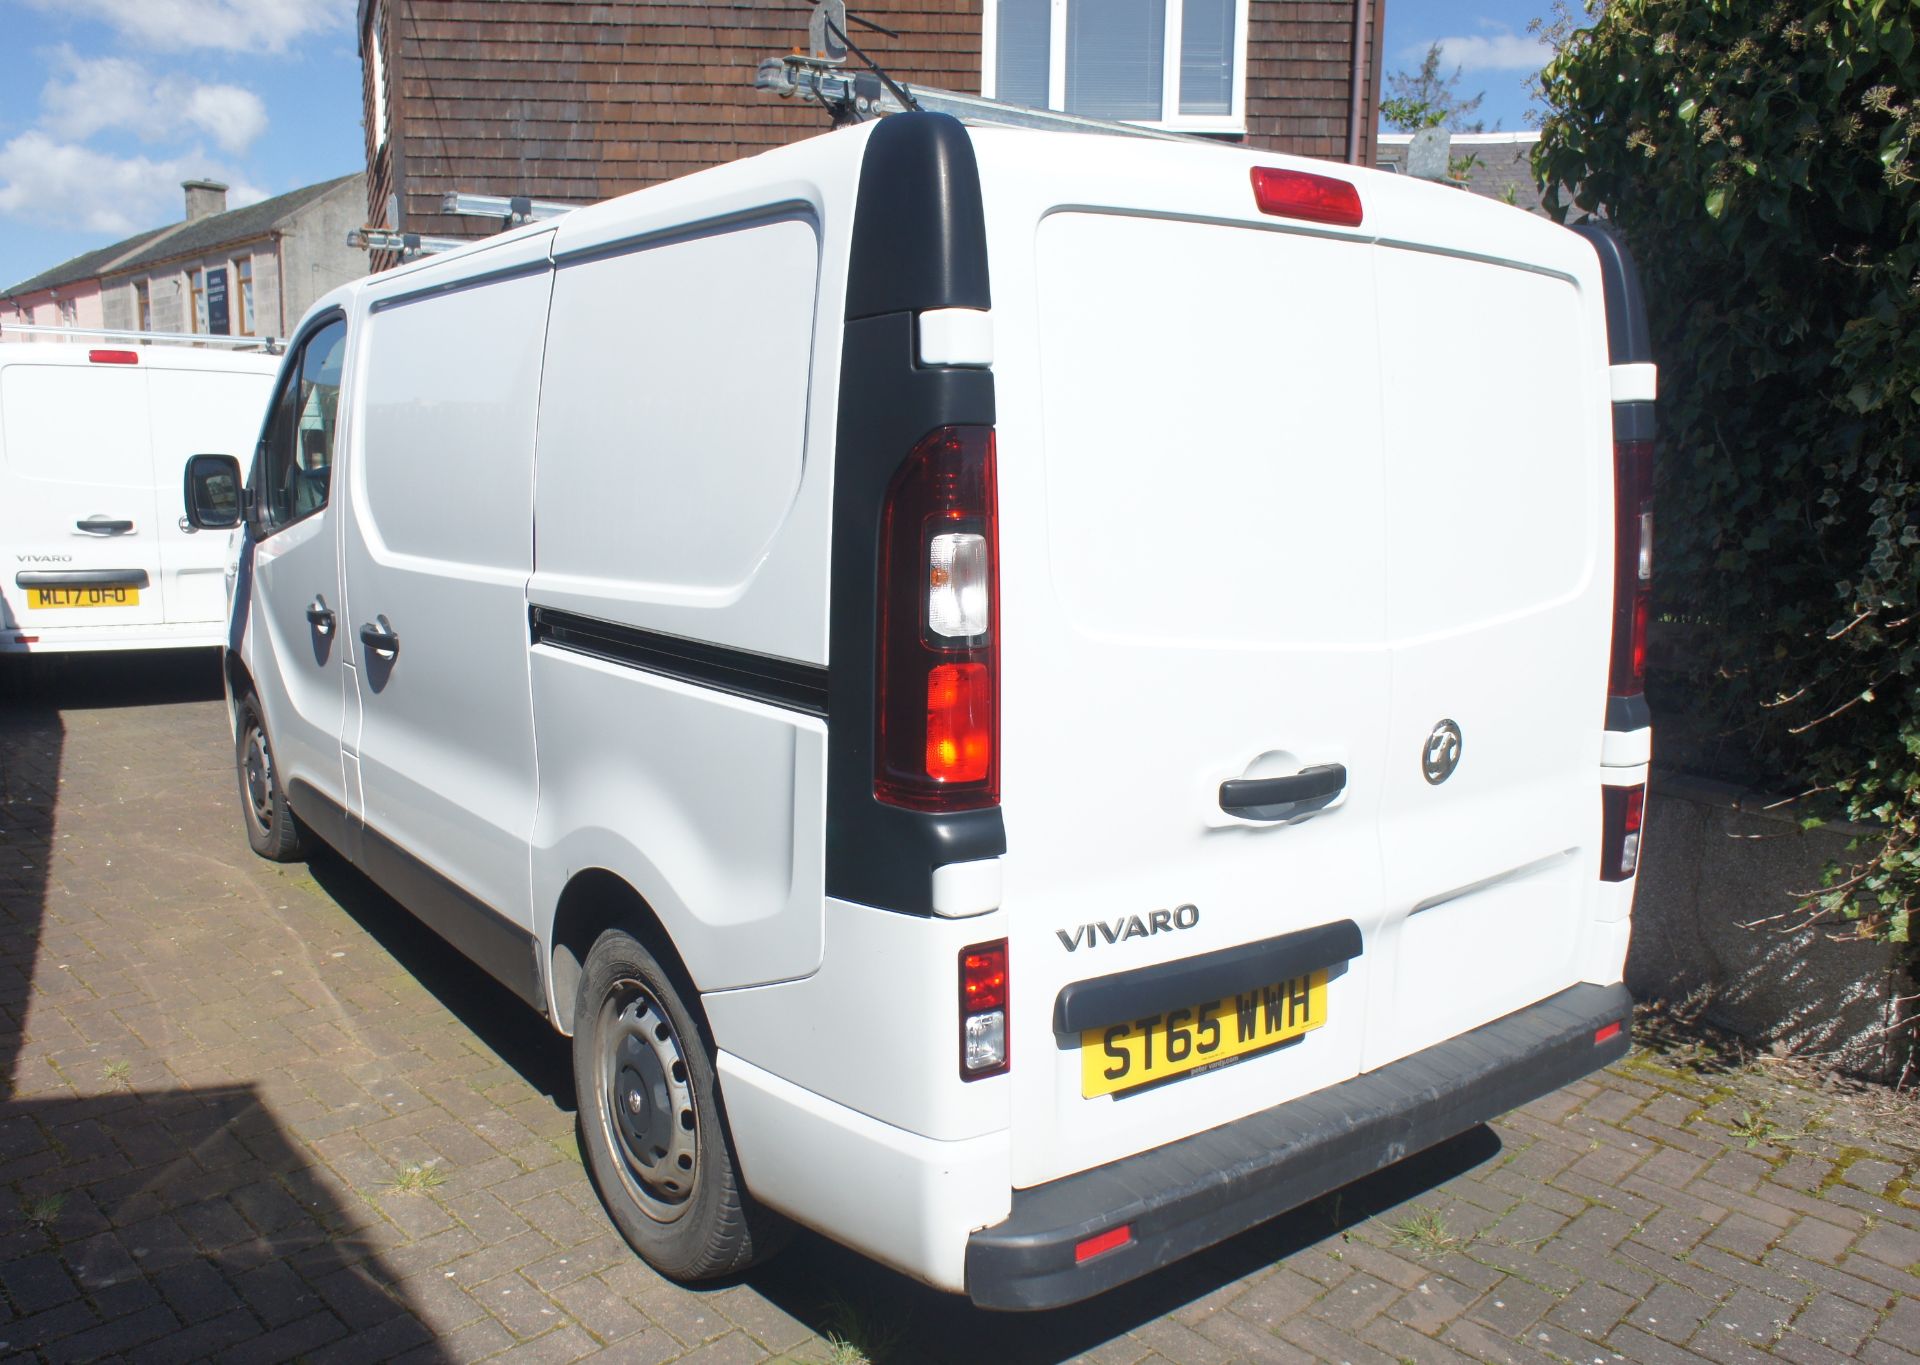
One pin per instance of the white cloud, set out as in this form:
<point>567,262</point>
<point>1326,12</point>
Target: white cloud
<point>61,184</point>
<point>1506,51</point>
<point>224,25</point>
<point>88,94</point>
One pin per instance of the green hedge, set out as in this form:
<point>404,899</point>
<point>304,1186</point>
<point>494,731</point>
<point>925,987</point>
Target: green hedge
<point>1760,160</point>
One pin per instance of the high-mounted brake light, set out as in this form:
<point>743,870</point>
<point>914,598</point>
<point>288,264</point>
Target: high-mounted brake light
<point>100,357</point>
<point>983,1010</point>
<point>1302,194</point>
<point>1632,566</point>
<point>1622,809</point>
<point>937,703</point>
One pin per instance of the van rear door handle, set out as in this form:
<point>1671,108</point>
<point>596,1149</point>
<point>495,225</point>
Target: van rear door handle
<point>1282,798</point>
<point>382,639</point>
<point>103,526</point>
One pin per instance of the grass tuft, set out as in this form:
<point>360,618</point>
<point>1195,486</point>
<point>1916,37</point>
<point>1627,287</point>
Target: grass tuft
<point>860,1337</point>
<point>43,1209</point>
<point>1424,1230</point>
<point>116,1071</point>
<point>418,1179</point>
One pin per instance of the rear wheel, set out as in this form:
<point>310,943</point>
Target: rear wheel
<point>653,1133</point>
<point>272,829</point>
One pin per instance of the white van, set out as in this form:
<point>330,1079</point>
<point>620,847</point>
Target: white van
<point>93,444</point>
<point>998,684</point>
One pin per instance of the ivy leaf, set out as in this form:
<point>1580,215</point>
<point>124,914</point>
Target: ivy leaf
<point>1716,201</point>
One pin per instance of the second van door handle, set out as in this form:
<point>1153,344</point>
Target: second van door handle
<point>382,639</point>
<point>319,616</point>
<point>103,526</point>
<point>1282,798</point>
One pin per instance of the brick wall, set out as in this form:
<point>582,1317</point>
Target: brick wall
<point>581,101</point>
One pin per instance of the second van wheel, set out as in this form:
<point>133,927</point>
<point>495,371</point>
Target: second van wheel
<point>651,1127</point>
<point>272,829</point>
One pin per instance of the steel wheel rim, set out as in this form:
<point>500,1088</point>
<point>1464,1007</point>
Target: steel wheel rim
<point>647,1109</point>
<point>256,779</point>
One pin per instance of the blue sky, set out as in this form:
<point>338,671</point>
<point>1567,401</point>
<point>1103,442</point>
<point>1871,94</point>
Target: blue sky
<point>109,104</point>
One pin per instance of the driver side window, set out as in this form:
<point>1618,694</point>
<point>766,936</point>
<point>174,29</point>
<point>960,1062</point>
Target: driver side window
<point>297,460</point>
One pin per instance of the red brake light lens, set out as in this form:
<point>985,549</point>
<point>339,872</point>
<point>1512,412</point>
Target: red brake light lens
<point>983,1010</point>
<point>100,357</point>
<point>1632,566</point>
<point>937,700</point>
<point>1623,809</point>
<point>1304,195</point>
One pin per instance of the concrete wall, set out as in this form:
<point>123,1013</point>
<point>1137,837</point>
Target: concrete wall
<point>1714,918</point>
<point>168,296</point>
<point>314,250</point>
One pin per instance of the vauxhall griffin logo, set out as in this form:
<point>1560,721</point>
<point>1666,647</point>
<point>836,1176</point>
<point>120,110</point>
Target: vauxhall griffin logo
<point>1442,753</point>
<point>1130,926</point>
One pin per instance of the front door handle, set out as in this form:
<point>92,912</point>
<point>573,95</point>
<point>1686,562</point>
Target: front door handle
<point>103,526</point>
<point>382,639</point>
<point>1283,798</point>
<point>319,616</point>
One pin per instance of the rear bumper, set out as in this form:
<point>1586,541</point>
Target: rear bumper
<point>1200,1190</point>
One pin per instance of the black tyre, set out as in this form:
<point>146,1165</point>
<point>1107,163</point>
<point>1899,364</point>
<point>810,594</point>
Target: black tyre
<point>271,828</point>
<point>654,1134</point>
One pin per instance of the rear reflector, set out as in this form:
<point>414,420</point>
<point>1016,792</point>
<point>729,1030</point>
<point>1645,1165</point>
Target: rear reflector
<point>26,639</point>
<point>1304,195</point>
<point>1622,810</point>
<point>1607,1034</point>
<point>1101,1242</point>
<point>114,357</point>
<point>983,1010</point>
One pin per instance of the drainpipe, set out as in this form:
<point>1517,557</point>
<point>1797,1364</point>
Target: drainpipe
<point>1356,77</point>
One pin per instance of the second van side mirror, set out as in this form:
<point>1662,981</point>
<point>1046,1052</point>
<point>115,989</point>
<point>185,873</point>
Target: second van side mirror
<point>212,492</point>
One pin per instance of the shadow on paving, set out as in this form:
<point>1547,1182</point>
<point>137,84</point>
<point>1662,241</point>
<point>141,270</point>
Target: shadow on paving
<point>891,1319</point>
<point>158,1224</point>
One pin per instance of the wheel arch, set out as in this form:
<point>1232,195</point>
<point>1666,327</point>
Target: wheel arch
<point>593,901</point>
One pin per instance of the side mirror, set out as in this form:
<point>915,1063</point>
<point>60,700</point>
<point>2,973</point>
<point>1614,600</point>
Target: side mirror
<point>212,492</point>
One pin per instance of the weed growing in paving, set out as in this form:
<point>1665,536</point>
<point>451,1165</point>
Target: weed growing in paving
<point>418,1179</point>
<point>1426,1231</point>
<point>116,1071</point>
<point>857,1337</point>
<point>1755,1128</point>
<point>43,1209</point>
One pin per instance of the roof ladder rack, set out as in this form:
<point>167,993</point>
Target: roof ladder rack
<point>271,345</point>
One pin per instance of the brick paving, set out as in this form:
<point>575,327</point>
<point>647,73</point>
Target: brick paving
<point>220,1073</point>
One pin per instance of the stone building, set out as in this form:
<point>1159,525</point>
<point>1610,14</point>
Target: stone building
<point>248,271</point>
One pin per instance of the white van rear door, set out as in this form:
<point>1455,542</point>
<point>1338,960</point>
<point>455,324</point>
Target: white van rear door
<point>79,518</point>
<point>1193,574</point>
<point>198,412</point>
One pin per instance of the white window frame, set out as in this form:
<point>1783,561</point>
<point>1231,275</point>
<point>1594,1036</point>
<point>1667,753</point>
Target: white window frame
<point>1170,116</point>
<point>377,44</point>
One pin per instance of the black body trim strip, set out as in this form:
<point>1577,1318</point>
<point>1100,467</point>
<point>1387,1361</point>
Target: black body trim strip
<point>1628,713</point>
<point>738,672</point>
<point>1628,339</point>
<point>494,943</point>
<point>1200,1190</point>
<point>919,242</point>
<point>1125,996</point>
<point>82,578</point>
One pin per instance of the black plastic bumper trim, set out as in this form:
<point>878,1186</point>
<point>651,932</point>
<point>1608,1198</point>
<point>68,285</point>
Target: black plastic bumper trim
<point>1628,713</point>
<point>1124,996</point>
<point>1633,421</point>
<point>82,578</point>
<point>1186,1196</point>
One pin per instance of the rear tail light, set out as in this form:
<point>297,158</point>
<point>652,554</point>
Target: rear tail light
<point>1302,194</point>
<point>937,708</point>
<point>1633,565</point>
<point>983,1010</point>
<point>1622,810</point>
<point>100,357</point>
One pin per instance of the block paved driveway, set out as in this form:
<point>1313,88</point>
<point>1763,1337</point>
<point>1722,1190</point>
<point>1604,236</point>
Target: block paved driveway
<point>220,1073</point>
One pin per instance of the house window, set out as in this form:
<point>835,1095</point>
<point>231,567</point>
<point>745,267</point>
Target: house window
<point>377,77</point>
<point>142,306</point>
<point>243,288</point>
<point>1171,63</point>
<point>68,315</point>
<point>197,296</point>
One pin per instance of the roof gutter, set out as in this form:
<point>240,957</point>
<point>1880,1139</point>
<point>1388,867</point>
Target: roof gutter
<point>1357,76</point>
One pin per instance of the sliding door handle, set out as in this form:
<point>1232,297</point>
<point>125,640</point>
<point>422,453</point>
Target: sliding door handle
<point>1282,798</point>
<point>319,616</point>
<point>382,639</point>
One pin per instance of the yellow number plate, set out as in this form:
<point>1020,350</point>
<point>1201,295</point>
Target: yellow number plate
<point>83,597</point>
<point>1181,1041</point>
